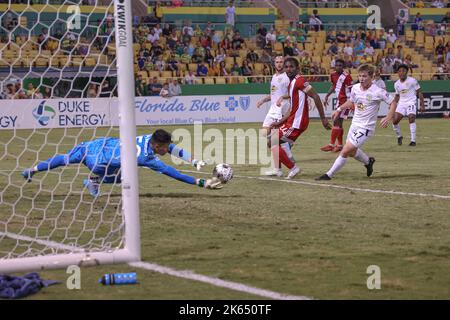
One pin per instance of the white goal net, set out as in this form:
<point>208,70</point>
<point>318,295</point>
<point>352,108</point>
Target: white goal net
<point>59,87</point>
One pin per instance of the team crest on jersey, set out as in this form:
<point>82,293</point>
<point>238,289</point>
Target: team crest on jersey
<point>369,97</point>
<point>361,106</point>
<point>404,91</point>
<point>274,88</point>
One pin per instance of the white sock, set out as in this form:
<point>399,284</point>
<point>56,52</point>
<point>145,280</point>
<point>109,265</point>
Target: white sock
<point>397,130</point>
<point>338,165</point>
<point>287,148</point>
<point>412,128</point>
<point>35,169</point>
<point>362,157</point>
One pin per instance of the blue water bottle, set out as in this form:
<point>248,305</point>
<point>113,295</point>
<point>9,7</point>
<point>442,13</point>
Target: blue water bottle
<point>118,278</point>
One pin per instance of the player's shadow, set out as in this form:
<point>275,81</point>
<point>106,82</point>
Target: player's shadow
<point>396,176</point>
<point>185,195</point>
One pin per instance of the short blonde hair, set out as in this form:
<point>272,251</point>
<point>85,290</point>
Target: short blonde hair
<point>368,68</point>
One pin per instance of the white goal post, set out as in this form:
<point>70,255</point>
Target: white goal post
<point>49,228</point>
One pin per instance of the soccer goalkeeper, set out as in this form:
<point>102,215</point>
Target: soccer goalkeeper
<point>102,157</point>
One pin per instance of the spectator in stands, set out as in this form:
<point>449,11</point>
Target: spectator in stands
<point>205,42</point>
<point>330,37</point>
<point>164,91</point>
<point>226,44</point>
<point>20,93</point>
<point>30,92</point>
<point>177,3</point>
<point>402,20</point>
<point>271,37</point>
<point>216,39</point>
<point>236,70</point>
<point>431,29</point>
<point>391,37</point>
<point>190,78</point>
<point>252,56</point>
<point>446,18</point>
<point>157,11</point>
<point>221,56</point>
<point>315,21</point>
<point>172,39</point>
<point>305,63</point>
<point>197,57</point>
<point>409,63</point>
<point>187,25</point>
<point>418,22</point>
<point>223,70</point>
<point>154,88</point>
<point>214,70</point>
<point>348,50</point>
<point>230,14</point>
<point>167,30</point>
<point>160,64</point>
<point>141,61</point>
<point>209,29</point>
<point>375,43</point>
<point>149,66</point>
<point>341,37</point>
<point>208,58</point>
<point>174,88</point>
<point>369,50</point>
<point>440,52</point>
<point>265,58</point>
<point>288,50</point>
<point>47,93</point>
<point>152,36</point>
<point>447,59</point>
<point>141,86</point>
<point>359,48</point>
<point>156,50</point>
<point>202,70</point>
<point>419,4</point>
<point>186,37</point>
<point>438,4</point>
<point>105,90</point>
<point>173,64</point>
<point>262,31</point>
<point>92,91</point>
<point>246,69</point>
<point>10,92</point>
<point>43,38</point>
<point>237,41</point>
<point>333,49</point>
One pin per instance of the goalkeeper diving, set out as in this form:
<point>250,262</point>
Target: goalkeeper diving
<point>102,157</point>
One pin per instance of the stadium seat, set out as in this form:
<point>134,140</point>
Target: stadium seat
<point>41,61</point>
<point>192,67</point>
<point>278,48</point>
<point>153,74</point>
<point>209,80</point>
<point>166,74</point>
<point>220,80</point>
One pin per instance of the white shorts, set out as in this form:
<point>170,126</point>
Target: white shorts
<point>406,110</point>
<point>358,136</point>
<point>269,120</point>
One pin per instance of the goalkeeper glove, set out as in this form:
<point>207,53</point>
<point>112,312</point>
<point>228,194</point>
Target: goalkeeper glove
<point>199,164</point>
<point>213,183</point>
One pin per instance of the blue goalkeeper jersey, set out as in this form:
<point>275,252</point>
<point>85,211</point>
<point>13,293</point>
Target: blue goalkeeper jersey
<point>105,152</point>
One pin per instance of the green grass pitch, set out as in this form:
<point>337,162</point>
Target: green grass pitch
<point>291,238</point>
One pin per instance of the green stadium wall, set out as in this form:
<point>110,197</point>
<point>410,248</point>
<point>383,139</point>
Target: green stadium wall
<point>263,88</point>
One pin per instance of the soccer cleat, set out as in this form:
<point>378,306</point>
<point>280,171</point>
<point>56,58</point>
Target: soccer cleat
<point>92,186</point>
<point>400,141</point>
<point>274,173</point>
<point>370,166</point>
<point>324,177</point>
<point>338,149</point>
<point>293,172</point>
<point>327,148</point>
<point>412,144</point>
<point>27,174</point>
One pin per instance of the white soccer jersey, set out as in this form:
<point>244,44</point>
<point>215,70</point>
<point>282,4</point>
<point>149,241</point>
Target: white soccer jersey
<point>367,104</point>
<point>407,91</point>
<point>278,88</point>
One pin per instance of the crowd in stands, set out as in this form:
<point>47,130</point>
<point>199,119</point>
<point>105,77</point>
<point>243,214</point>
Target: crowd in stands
<point>427,4</point>
<point>169,55</point>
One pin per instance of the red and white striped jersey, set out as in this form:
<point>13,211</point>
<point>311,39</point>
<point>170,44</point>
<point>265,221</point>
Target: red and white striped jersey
<point>342,85</point>
<point>299,117</point>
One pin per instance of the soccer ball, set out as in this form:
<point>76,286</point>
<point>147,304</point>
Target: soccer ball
<point>224,172</point>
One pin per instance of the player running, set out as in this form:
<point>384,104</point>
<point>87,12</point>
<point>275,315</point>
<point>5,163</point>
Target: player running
<point>407,89</point>
<point>278,88</point>
<point>342,82</point>
<point>296,121</point>
<point>102,157</point>
<point>367,97</point>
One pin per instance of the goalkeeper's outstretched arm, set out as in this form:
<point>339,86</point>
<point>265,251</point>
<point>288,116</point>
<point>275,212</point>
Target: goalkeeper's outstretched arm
<point>186,156</point>
<point>161,167</point>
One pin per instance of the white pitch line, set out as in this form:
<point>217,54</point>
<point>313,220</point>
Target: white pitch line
<point>186,274</point>
<point>428,195</point>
